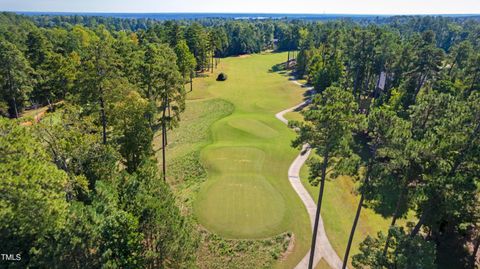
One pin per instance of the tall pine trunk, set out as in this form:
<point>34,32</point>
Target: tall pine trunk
<point>164,162</point>
<point>317,213</point>
<point>394,219</point>
<point>212,61</point>
<point>149,98</point>
<point>475,252</point>
<point>352,232</point>
<point>164,168</point>
<point>359,208</point>
<point>452,172</point>
<point>422,80</point>
<point>191,81</point>
<point>288,61</point>
<point>12,91</point>
<point>419,224</point>
<point>104,120</point>
<point>166,133</point>
<point>15,107</point>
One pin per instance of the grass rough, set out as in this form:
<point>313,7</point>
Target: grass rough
<point>218,252</point>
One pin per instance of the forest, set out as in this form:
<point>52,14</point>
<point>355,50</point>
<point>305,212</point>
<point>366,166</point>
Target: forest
<point>396,106</point>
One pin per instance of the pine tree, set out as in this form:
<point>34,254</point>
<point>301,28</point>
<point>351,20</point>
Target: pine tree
<point>328,130</point>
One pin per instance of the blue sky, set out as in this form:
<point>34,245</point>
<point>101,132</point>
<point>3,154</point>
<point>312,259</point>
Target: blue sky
<point>250,6</point>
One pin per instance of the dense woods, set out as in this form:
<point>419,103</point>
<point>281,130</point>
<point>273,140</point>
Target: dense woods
<point>397,106</point>
<point>413,141</point>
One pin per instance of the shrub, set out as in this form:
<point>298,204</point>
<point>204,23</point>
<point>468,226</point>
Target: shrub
<point>222,77</point>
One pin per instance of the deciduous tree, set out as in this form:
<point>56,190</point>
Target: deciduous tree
<point>15,77</point>
<point>185,61</point>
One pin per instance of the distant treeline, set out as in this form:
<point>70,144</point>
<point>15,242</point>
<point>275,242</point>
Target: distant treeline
<point>64,36</point>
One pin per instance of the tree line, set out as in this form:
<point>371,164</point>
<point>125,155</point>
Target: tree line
<point>397,106</point>
<point>82,189</point>
<point>87,173</point>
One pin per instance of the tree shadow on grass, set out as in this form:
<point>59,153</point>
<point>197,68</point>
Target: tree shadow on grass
<point>280,69</point>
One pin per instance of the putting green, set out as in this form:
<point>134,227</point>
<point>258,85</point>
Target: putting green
<point>234,159</point>
<point>260,218</point>
<point>239,181</point>
<point>247,193</point>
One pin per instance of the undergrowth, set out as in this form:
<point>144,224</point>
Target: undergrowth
<point>217,252</point>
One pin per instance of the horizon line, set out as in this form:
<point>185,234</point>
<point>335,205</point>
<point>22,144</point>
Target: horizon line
<point>246,13</point>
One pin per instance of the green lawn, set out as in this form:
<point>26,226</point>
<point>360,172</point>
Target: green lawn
<point>228,164</point>
<point>247,194</point>
<point>338,212</point>
<point>294,116</point>
<point>340,203</point>
<point>186,174</point>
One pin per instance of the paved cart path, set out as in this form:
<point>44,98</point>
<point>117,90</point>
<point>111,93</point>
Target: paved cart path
<point>323,247</point>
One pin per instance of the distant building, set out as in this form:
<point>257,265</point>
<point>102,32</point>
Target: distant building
<point>381,81</point>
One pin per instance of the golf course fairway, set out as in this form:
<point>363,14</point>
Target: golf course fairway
<point>247,194</point>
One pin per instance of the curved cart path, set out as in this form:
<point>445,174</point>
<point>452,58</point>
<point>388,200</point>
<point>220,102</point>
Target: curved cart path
<point>323,248</point>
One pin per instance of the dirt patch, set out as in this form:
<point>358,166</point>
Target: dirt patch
<point>291,245</point>
<point>36,118</point>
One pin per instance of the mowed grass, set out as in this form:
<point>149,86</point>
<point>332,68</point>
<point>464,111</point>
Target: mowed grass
<point>339,207</point>
<point>338,211</point>
<point>186,174</point>
<point>340,203</point>
<point>247,194</point>
<point>294,116</point>
<point>245,154</point>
